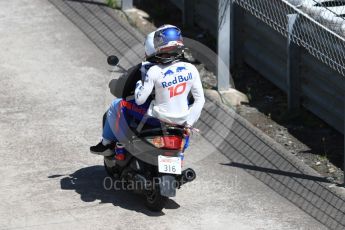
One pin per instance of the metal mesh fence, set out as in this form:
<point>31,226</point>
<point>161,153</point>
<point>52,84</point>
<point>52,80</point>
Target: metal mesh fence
<point>320,27</point>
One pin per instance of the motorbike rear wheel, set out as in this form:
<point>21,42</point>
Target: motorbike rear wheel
<point>112,172</point>
<point>155,201</point>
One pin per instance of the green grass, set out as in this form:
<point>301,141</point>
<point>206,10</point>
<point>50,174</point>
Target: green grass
<point>113,3</point>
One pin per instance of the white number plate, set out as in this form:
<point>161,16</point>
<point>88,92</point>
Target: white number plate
<point>171,165</point>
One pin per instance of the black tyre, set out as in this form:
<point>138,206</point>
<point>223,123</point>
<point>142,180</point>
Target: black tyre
<point>155,201</point>
<point>112,172</point>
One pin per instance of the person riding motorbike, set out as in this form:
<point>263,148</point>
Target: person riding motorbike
<point>170,77</point>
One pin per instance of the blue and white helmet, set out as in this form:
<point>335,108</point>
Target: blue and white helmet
<point>166,39</point>
<point>149,46</point>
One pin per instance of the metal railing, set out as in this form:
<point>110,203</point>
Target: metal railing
<point>318,29</point>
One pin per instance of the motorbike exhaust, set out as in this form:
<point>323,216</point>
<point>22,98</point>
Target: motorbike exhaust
<point>188,175</point>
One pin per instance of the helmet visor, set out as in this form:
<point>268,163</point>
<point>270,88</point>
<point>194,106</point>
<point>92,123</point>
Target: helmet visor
<point>164,36</point>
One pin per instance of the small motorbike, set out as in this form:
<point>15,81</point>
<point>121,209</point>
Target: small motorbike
<point>153,162</point>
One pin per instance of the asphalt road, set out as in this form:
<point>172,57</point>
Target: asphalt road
<point>53,92</point>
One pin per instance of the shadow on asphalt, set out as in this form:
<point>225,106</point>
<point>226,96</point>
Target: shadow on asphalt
<point>278,172</point>
<point>99,23</point>
<point>89,183</point>
<point>100,3</point>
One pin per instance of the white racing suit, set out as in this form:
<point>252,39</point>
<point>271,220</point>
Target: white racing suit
<point>172,84</point>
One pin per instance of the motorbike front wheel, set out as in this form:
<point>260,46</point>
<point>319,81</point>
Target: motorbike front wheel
<point>155,201</point>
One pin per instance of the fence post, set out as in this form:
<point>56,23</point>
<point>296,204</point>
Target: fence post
<point>224,24</point>
<point>237,14</point>
<point>233,34</point>
<point>293,67</point>
<point>188,13</point>
<point>126,4</point>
